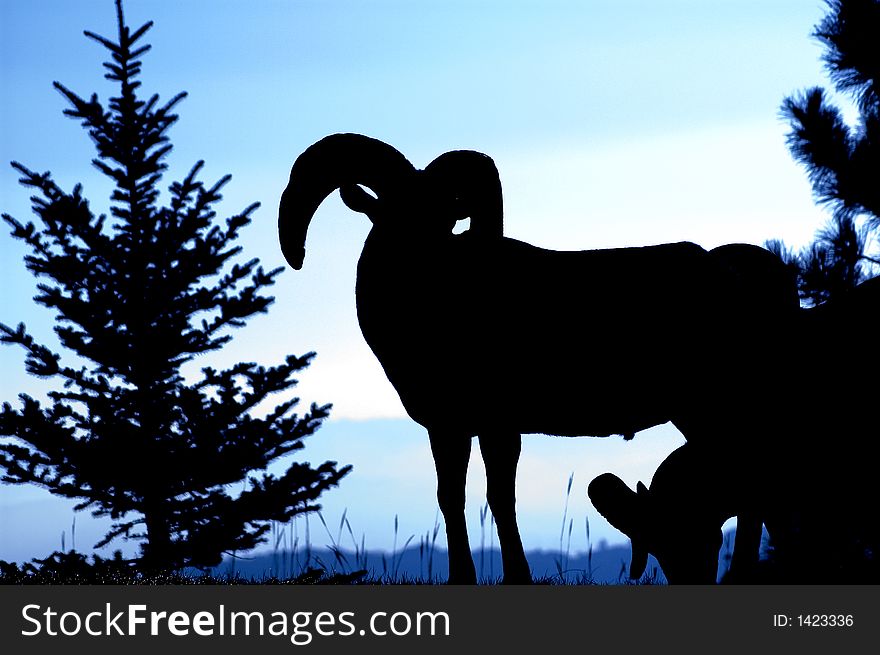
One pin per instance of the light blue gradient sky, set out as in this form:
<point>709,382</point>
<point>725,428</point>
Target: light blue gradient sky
<point>613,123</point>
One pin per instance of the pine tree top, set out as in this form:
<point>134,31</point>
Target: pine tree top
<point>135,283</point>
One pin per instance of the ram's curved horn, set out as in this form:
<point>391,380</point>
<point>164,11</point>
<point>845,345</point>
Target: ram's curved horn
<point>624,509</point>
<point>472,178</point>
<point>334,161</point>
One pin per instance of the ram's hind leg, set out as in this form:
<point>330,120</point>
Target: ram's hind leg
<point>452,453</point>
<point>746,547</point>
<point>501,455</point>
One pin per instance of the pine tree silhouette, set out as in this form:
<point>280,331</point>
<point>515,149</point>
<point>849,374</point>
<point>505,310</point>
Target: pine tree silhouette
<point>842,161</point>
<point>137,296</point>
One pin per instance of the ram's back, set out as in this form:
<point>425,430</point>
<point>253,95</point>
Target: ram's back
<point>559,342</point>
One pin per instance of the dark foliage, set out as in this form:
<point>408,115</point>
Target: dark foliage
<point>842,161</point>
<point>137,296</point>
<point>75,568</point>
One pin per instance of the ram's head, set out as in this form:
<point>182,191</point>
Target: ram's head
<point>675,520</point>
<point>405,201</point>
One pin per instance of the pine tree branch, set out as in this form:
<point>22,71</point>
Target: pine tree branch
<point>821,141</point>
<point>849,34</point>
<point>118,530</point>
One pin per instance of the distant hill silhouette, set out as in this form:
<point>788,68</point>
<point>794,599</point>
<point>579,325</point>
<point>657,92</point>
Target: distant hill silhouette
<point>608,565</point>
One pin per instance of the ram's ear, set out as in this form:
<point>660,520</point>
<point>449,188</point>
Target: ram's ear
<point>358,199</point>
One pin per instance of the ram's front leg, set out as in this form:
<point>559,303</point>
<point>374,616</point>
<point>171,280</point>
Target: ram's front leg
<point>501,455</point>
<point>452,451</point>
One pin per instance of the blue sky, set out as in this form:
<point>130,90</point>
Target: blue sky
<point>613,123</point>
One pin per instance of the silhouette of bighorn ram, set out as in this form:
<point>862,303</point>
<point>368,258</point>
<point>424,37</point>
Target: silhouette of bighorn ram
<point>487,336</point>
